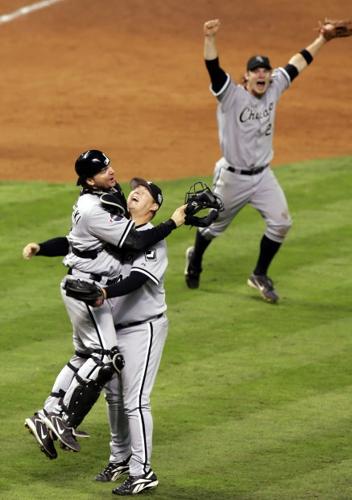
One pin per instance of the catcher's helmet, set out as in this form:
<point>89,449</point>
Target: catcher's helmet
<point>90,163</point>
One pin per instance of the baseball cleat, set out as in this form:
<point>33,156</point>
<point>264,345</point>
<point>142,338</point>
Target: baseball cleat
<point>265,286</point>
<point>137,484</point>
<point>80,434</point>
<point>113,471</point>
<point>192,275</point>
<point>62,431</point>
<point>40,431</point>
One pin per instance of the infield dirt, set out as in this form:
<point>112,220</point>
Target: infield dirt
<point>128,77</point>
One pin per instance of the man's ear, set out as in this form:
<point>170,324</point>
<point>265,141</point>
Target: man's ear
<point>90,181</point>
<point>154,207</point>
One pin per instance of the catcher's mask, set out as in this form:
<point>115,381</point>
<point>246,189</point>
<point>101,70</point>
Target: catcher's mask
<point>200,197</point>
<point>89,164</point>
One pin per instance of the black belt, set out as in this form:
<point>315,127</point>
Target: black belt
<point>119,326</point>
<point>253,171</point>
<point>87,254</point>
<point>96,277</point>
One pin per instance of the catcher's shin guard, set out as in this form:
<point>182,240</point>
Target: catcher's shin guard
<point>85,396</point>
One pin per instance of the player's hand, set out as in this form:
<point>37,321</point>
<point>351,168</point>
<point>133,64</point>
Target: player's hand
<point>99,302</point>
<point>30,250</point>
<point>211,27</point>
<point>179,215</point>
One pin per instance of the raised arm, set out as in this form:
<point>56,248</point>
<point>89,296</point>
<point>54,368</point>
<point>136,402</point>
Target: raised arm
<point>217,75</point>
<point>210,29</point>
<point>328,30</point>
<point>302,59</point>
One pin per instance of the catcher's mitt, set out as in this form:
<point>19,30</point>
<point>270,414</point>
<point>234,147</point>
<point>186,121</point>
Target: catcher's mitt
<point>200,197</point>
<point>87,291</point>
<point>333,28</point>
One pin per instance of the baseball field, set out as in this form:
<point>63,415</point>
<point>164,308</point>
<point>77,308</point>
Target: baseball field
<point>252,400</point>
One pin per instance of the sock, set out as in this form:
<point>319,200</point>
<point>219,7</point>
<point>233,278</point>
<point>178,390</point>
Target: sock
<point>268,249</point>
<point>200,245</point>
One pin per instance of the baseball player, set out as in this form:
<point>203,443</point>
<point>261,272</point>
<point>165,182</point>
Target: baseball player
<point>142,343</point>
<point>141,327</point>
<point>246,115</point>
<point>95,236</point>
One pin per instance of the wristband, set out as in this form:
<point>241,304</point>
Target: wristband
<point>307,56</point>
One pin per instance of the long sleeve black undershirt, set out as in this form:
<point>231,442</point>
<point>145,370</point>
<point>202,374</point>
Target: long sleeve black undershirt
<point>55,247</point>
<point>134,281</point>
<point>136,240</point>
<point>140,240</point>
<point>217,75</point>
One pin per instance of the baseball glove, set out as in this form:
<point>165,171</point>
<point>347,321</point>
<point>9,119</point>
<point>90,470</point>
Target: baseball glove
<point>200,197</point>
<point>87,291</point>
<point>333,28</point>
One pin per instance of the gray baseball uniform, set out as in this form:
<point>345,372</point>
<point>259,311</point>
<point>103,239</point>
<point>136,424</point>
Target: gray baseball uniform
<point>141,327</point>
<point>246,126</point>
<point>93,328</point>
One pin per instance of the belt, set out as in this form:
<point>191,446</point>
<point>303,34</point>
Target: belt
<point>87,254</point>
<point>93,276</point>
<point>253,171</point>
<point>119,326</point>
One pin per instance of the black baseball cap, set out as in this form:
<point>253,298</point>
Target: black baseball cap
<point>154,190</point>
<point>258,62</point>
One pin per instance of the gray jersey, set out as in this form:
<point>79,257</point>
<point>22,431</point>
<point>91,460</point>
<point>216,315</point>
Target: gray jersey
<point>148,300</point>
<point>91,227</point>
<point>246,123</point>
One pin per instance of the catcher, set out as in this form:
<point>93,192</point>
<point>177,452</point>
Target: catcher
<point>89,289</point>
<point>246,115</point>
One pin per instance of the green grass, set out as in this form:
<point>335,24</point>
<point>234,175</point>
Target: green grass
<point>252,400</point>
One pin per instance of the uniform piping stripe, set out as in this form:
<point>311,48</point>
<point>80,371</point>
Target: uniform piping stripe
<point>147,273</point>
<point>98,335</point>
<point>286,74</point>
<point>223,88</point>
<point>150,326</point>
<point>128,228</point>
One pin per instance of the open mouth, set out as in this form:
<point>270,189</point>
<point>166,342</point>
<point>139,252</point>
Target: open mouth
<point>261,84</point>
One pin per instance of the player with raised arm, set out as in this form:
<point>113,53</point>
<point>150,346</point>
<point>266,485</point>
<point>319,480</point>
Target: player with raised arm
<point>246,115</point>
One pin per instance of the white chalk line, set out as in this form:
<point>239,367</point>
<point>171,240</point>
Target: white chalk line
<point>27,9</point>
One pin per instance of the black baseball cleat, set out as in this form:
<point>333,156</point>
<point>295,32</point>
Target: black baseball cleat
<point>137,484</point>
<point>113,471</point>
<point>192,274</point>
<point>40,431</point>
<point>62,431</point>
<point>265,286</point>
<point>78,433</point>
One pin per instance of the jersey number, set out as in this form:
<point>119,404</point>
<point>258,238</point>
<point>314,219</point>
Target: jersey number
<point>268,129</point>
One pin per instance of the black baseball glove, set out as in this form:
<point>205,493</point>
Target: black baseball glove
<point>200,197</point>
<point>87,291</point>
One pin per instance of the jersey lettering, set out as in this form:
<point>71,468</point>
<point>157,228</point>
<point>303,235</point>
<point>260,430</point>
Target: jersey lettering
<point>249,113</point>
<point>76,215</point>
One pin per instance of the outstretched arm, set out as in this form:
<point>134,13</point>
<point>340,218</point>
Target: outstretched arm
<point>303,58</point>
<point>328,30</point>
